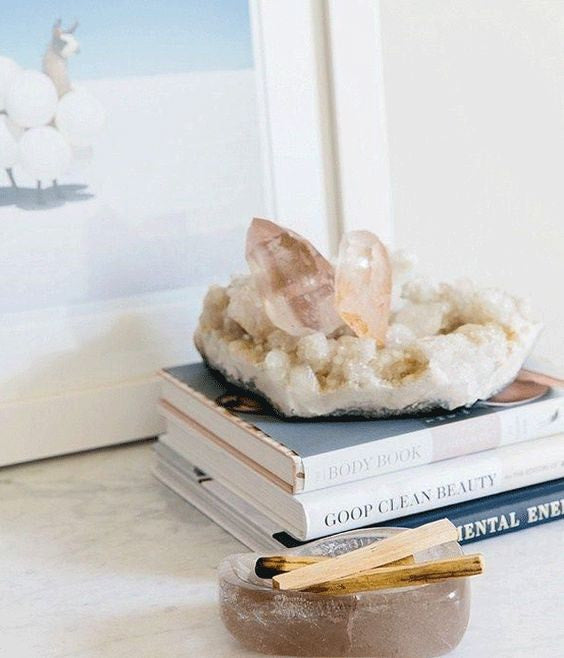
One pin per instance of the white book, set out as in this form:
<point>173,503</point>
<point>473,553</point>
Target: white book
<point>306,455</point>
<point>373,500</point>
<point>475,520</point>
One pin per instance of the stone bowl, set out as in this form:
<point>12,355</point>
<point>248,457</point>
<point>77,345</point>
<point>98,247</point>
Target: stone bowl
<point>420,621</point>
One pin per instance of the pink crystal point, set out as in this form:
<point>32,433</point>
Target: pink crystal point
<point>294,280</point>
<point>363,284</point>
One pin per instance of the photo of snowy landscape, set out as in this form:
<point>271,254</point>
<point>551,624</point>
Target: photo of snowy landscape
<point>176,165</point>
<point>135,216</point>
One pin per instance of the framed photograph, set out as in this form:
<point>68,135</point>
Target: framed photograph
<point>135,153</point>
<point>134,149</point>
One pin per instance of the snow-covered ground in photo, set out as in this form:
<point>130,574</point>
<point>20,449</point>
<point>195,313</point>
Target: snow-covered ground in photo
<point>169,188</point>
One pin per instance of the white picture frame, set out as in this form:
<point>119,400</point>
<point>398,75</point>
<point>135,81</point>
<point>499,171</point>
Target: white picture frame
<point>325,170</point>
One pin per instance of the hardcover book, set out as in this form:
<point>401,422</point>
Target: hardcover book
<point>306,455</point>
<point>352,505</point>
<point>476,520</point>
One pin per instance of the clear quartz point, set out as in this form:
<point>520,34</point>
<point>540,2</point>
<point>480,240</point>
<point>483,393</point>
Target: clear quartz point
<point>363,285</point>
<point>295,281</point>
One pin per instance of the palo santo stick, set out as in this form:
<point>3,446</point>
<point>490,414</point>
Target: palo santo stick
<point>272,565</point>
<point>404,576</point>
<point>407,542</point>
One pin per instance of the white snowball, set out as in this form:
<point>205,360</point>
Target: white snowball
<point>45,154</point>
<point>17,131</point>
<point>9,152</point>
<point>80,117</point>
<point>31,100</point>
<point>8,71</point>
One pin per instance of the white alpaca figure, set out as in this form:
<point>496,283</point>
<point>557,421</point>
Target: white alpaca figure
<point>52,117</point>
<point>31,100</point>
<point>63,45</point>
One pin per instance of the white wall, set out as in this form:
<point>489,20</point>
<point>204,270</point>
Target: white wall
<point>475,106</point>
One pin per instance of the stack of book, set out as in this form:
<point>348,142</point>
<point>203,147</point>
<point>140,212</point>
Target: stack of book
<point>275,482</point>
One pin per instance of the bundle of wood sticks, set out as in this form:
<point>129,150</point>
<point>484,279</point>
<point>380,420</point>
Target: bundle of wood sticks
<point>384,564</point>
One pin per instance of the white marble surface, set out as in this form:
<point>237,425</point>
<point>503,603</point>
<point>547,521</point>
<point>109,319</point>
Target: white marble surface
<point>98,559</point>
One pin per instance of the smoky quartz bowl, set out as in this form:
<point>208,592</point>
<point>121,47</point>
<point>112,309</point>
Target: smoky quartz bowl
<point>417,621</point>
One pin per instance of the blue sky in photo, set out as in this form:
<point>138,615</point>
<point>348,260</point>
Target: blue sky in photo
<point>132,37</point>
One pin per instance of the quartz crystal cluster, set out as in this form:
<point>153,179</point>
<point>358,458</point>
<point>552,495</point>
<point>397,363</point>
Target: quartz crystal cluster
<point>366,336</point>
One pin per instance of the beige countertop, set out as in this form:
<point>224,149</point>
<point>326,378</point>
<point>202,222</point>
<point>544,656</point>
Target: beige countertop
<point>98,559</point>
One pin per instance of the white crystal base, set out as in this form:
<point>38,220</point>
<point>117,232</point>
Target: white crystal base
<point>447,347</point>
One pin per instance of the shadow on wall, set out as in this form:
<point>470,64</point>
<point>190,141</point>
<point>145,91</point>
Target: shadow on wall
<point>30,198</point>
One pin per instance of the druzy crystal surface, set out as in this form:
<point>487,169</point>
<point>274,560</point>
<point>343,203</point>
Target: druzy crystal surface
<point>416,622</point>
<point>295,281</point>
<point>363,285</point>
<point>276,331</point>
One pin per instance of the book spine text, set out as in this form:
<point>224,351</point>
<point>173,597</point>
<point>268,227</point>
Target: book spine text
<point>445,436</point>
<point>434,486</point>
